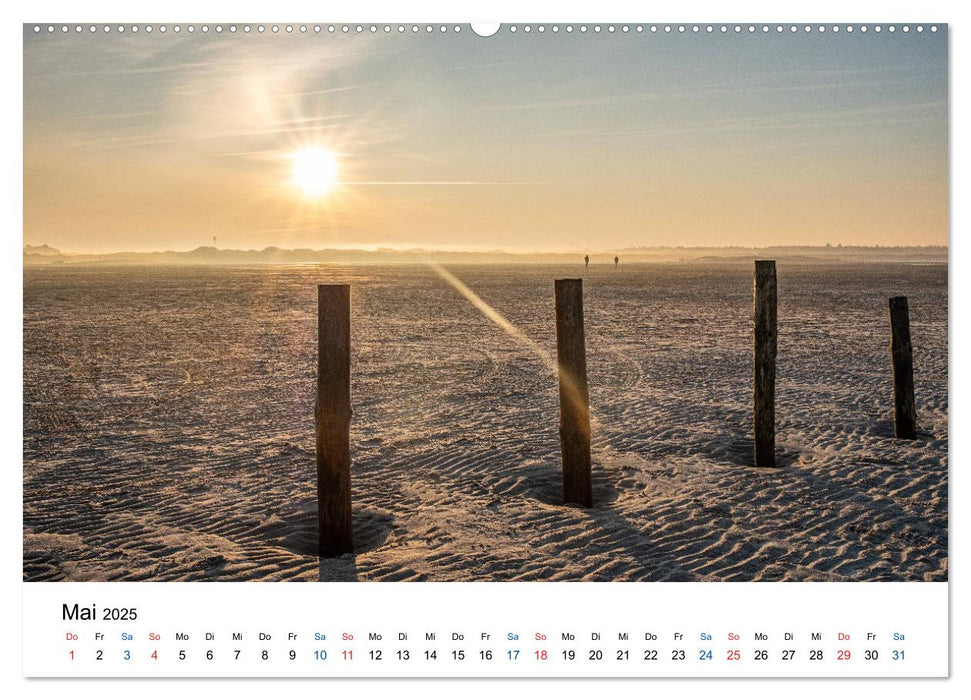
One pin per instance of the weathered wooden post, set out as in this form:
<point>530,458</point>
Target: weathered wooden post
<point>902,356</point>
<point>333,419</point>
<point>571,354</point>
<point>764,362</point>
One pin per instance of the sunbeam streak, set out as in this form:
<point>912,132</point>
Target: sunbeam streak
<point>493,315</point>
<point>569,384</point>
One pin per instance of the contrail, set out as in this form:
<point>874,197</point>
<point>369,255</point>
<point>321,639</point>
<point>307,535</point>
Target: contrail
<point>406,183</point>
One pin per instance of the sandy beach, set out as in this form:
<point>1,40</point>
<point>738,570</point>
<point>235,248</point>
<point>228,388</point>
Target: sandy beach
<point>168,426</point>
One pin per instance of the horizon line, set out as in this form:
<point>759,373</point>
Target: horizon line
<point>485,251</point>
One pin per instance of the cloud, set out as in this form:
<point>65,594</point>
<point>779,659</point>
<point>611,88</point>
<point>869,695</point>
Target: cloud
<point>184,91</point>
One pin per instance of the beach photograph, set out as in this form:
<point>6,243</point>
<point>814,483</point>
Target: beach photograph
<point>589,302</point>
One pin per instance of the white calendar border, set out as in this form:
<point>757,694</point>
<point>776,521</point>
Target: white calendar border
<point>508,11</point>
<point>510,631</point>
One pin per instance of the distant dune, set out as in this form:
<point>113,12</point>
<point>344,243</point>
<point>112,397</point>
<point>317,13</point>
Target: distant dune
<point>40,250</point>
<point>208,255</point>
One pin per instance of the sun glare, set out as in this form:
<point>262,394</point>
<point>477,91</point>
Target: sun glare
<point>314,171</point>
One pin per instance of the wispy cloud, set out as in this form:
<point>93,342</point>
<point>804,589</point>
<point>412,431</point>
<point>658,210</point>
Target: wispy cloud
<point>692,92</point>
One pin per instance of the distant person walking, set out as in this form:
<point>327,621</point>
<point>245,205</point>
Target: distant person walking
<point>586,261</point>
<point>616,261</point>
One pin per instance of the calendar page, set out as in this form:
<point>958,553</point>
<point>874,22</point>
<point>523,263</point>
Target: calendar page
<point>606,349</point>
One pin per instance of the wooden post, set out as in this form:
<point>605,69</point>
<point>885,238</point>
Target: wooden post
<point>902,356</point>
<point>333,420</point>
<point>571,356</point>
<point>764,362</point>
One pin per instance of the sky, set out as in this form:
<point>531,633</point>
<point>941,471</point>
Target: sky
<point>520,142</point>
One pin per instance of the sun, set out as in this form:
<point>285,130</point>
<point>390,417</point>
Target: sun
<point>314,171</point>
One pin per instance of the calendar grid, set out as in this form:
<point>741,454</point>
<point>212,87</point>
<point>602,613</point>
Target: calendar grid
<point>511,630</point>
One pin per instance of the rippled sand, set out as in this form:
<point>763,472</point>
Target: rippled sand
<point>168,426</point>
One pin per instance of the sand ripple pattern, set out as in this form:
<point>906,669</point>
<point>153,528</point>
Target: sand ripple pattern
<point>168,427</point>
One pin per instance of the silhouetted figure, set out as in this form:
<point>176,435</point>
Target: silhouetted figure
<point>586,261</point>
<point>616,261</point>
